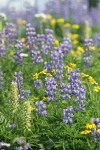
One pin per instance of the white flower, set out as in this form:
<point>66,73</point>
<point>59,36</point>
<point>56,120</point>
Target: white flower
<point>23,55</point>
<point>3,15</point>
<point>4,144</point>
<point>41,15</point>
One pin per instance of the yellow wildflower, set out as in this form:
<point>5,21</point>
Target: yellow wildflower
<point>84,75</point>
<point>43,72</point>
<point>86,132</point>
<point>35,98</point>
<point>36,76</point>
<point>67,25</point>
<point>90,125</point>
<point>54,71</point>
<point>98,130</point>
<point>49,75</point>
<point>75,26</point>
<point>72,65</point>
<point>56,43</point>
<point>53,22</point>
<point>44,98</point>
<point>21,21</point>
<point>23,39</point>
<point>75,42</point>
<point>68,68</point>
<point>97,89</point>
<point>60,20</point>
<point>92,48</point>
<point>91,79</point>
<point>81,49</point>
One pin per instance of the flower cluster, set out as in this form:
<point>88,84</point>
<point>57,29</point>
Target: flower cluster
<point>87,57</point>
<point>95,132</point>
<point>18,57</point>
<point>41,108</point>
<point>2,49</point>
<point>22,94</point>
<point>10,33</point>
<point>50,86</point>
<point>23,145</point>
<point>74,89</point>
<point>1,79</point>
<point>68,115</point>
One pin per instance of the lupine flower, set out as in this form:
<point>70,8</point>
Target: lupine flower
<point>68,115</point>
<point>22,94</point>
<point>2,49</point>
<point>87,57</point>
<point>18,54</point>
<point>50,86</point>
<point>41,108</point>
<point>10,33</point>
<point>1,79</point>
<point>37,84</point>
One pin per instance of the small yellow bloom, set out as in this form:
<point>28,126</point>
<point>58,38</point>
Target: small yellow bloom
<point>98,130</point>
<point>84,75</point>
<point>35,98</point>
<point>75,26</point>
<point>86,132</point>
<point>67,25</point>
<point>97,89</point>
<point>68,68</point>
<point>72,65</point>
<point>44,98</point>
<point>43,72</point>
<point>54,71</point>
<point>21,21</point>
<point>81,49</point>
<point>36,76</point>
<point>60,20</point>
<point>91,79</point>
<point>53,22</point>
<point>23,39</point>
<point>56,43</point>
<point>92,48</point>
<point>90,125</point>
<point>48,75</point>
<point>75,42</point>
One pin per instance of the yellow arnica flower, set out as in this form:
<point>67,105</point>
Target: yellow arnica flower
<point>35,76</point>
<point>90,125</point>
<point>67,25</point>
<point>68,68</point>
<point>53,22</point>
<point>72,65</point>
<point>43,72</point>
<point>98,130</point>
<point>86,132</point>
<point>44,98</point>
<point>97,89</point>
<point>60,20</point>
<point>21,21</point>
<point>35,98</point>
<point>84,75</point>
<point>48,75</point>
<point>56,43</point>
<point>92,80</point>
<point>75,26</point>
<point>54,71</point>
<point>80,49</point>
<point>92,48</point>
<point>23,39</point>
<point>75,42</point>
